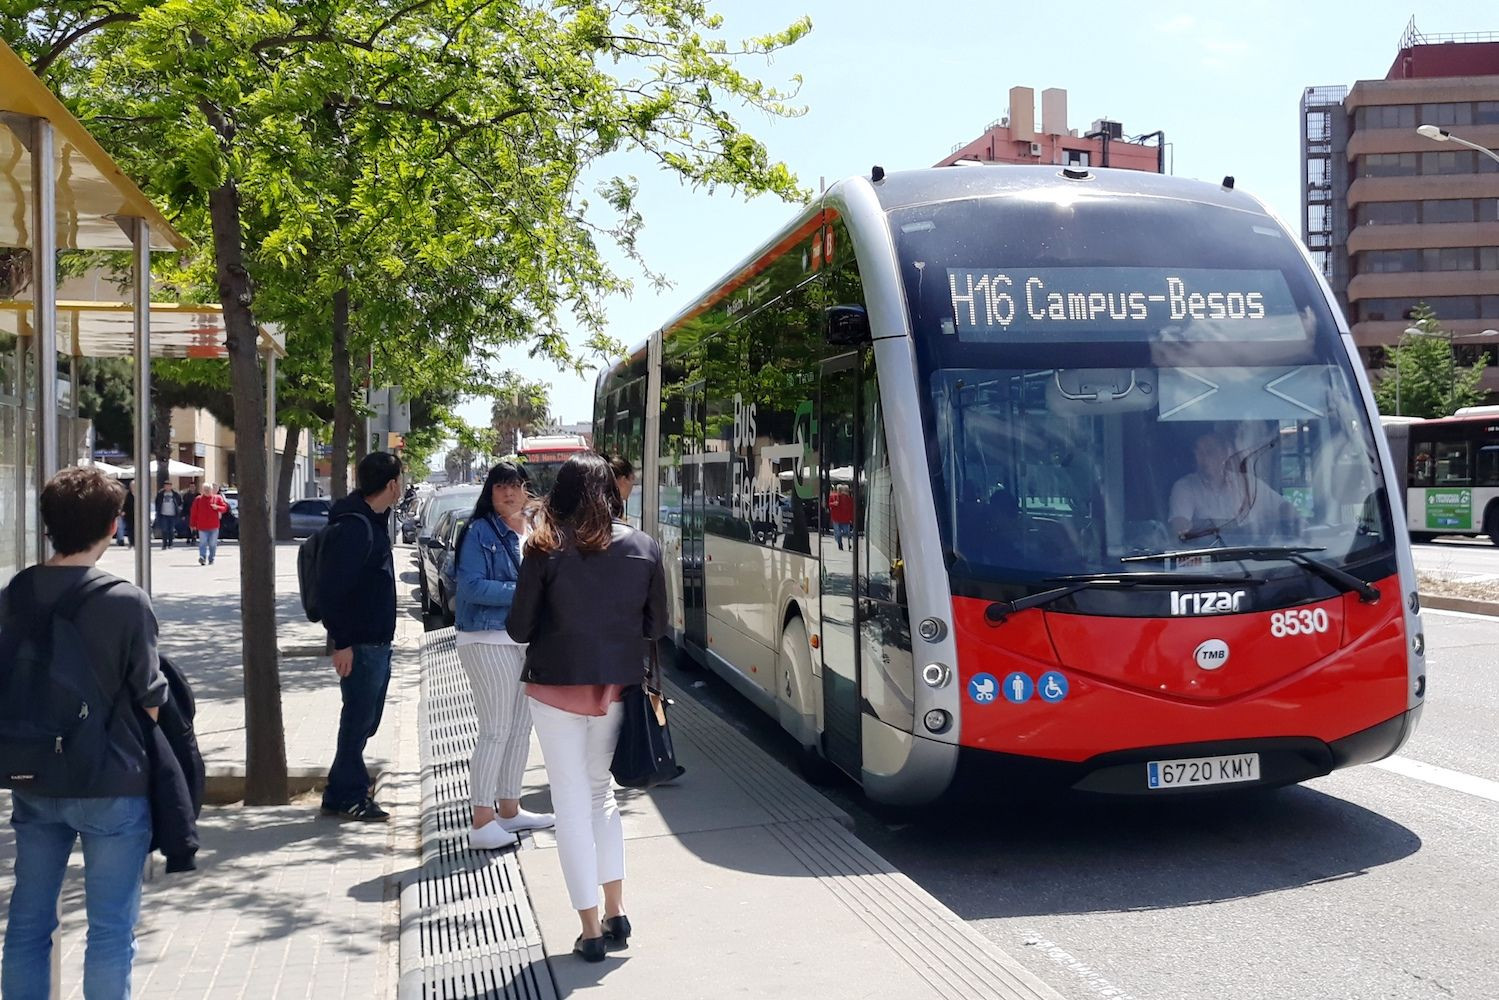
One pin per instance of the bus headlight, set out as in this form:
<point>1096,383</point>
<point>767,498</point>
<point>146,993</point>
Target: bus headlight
<point>1418,644</point>
<point>1415,603</point>
<point>931,629</point>
<point>937,720</point>
<point>936,675</point>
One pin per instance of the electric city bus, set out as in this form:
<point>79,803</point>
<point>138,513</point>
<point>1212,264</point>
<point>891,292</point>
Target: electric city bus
<point>1450,466</point>
<point>1003,476</point>
<point>544,455</point>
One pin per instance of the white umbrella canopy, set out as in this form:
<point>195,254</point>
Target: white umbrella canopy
<point>113,471</point>
<point>175,470</point>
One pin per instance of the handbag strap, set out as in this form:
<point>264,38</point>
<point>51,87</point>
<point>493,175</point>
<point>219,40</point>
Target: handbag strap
<point>653,675</point>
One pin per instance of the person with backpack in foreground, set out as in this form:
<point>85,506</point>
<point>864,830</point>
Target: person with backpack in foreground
<point>591,596</point>
<point>356,600</point>
<point>488,564</point>
<point>77,659</point>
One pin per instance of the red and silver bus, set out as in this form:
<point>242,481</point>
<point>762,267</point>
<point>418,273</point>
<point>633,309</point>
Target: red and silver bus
<point>1014,475</point>
<point>544,455</point>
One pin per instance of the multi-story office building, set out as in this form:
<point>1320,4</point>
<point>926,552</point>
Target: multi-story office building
<point>1016,138</point>
<point>1396,218</point>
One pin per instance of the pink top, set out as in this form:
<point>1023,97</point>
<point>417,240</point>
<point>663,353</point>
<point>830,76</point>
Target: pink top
<point>579,699</point>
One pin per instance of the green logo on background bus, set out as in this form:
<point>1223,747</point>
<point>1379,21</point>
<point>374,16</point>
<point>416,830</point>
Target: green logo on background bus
<point>1449,509</point>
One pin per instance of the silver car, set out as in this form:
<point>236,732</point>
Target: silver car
<point>458,498</point>
<point>309,516</point>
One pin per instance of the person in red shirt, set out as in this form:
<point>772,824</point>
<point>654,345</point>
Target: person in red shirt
<point>205,517</point>
<point>841,514</point>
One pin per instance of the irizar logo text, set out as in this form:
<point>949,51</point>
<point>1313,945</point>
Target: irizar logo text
<point>1210,602</point>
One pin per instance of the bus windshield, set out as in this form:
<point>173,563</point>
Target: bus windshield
<point>1131,377</point>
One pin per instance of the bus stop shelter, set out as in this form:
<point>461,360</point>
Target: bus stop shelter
<point>59,190</point>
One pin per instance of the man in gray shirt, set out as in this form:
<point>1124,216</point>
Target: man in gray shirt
<point>108,808</point>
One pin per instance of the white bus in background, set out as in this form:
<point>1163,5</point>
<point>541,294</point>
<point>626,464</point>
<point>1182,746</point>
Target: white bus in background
<point>1451,471</point>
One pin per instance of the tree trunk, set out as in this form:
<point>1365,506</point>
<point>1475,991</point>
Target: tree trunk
<point>283,484</point>
<point>265,737</point>
<point>161,440</point>
<point>343,394</point>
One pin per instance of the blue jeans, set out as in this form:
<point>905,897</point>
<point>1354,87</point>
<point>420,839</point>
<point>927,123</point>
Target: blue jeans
<point>364,702</point>
<point>167,525</point>
<point>842,530</point>
<point>116,836</point>
<point>208,544</point>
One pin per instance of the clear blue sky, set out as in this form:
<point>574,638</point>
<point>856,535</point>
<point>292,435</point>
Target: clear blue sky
<point>899,84</point>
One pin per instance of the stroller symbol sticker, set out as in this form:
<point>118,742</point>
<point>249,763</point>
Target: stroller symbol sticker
<point>1052,686</point>
<point>983,688</point>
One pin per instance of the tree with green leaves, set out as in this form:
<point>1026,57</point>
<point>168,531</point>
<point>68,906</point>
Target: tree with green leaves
<point>1421,376</point>
<point>519,407</point>
<point>412,170</point>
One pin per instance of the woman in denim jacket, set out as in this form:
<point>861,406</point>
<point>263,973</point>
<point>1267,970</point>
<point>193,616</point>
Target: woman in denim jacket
<point>487,566</point>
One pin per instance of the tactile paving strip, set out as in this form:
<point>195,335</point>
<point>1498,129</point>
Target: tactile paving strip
<point>467,929</point>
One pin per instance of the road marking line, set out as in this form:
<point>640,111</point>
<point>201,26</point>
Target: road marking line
<point>1091,977</point>
<point>1470,784</point>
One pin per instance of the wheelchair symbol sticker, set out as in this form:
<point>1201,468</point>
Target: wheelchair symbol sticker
<point>1052,686</point>
<point>1019,688</point>
<point>983,688</point>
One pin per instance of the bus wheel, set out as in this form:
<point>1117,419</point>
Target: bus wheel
<point>796,664</point>
<point>1491,523</point>
<point>1423,536</point>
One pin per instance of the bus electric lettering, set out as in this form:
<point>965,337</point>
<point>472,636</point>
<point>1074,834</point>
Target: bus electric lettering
<point>1108,299</point>
<point>1113,506</point>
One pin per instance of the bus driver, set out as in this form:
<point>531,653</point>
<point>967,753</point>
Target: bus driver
<point>1220,495</point>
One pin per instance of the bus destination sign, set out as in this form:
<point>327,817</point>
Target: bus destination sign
<point>1030,304</point>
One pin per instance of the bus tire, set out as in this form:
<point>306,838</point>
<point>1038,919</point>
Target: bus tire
<point>1423,536</point>
<point>1491,523</point>
<point>796,657</point>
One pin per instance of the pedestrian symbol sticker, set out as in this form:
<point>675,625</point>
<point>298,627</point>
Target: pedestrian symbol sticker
<point>983,688</point>
<point>1052,686</point>
<point>1019,688</point>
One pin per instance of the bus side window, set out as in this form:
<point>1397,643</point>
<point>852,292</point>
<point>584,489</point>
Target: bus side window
<point>1488,464</point>
<point>1421,463</point>
<point>1452,467</point>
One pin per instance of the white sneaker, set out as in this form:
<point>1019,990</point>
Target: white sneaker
<point>490,837</point>
<point>526,820</point>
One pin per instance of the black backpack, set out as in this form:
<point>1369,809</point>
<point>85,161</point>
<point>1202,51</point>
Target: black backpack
<point>54,718</point>
<point>309,561</point>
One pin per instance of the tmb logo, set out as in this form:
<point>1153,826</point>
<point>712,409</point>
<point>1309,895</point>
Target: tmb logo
<point>1211,602</point>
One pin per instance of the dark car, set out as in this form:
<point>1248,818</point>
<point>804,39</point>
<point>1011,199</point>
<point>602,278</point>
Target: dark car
<point>437,552</point>
<point>309,516</point>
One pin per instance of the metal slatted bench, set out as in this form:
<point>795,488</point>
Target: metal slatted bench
<point>467,929</point>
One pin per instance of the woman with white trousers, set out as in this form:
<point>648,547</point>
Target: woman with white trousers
<point>592,594</point>
<point>487,566</point>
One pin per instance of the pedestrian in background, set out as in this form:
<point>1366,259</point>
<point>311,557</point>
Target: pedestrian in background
<point>168,509</point>
<point>185,519</point>
<point>105,805</point>
<point>130,512</point>
<point>206,517</point>
<point>487,568</point>
<point>357,595</point>
<point>624,478</point>
<point>592,593</point>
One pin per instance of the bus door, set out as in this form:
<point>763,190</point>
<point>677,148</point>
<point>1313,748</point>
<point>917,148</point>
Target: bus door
<point>694,603</point>
<point>838,500</point>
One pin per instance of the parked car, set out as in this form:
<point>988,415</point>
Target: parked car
<point>459,498</point>
<point>437,553</point>
<point>229,523</point>
<point>308,516</point>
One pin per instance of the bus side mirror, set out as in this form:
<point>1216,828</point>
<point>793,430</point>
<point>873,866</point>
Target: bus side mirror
<point>847,325</point>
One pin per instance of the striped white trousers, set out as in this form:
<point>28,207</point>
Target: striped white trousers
<point>504,712</point>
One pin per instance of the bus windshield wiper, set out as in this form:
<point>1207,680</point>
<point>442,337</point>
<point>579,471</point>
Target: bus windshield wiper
<point>997,612</point>
<point>1300,555</point>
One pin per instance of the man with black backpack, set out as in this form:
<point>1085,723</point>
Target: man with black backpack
<point>356,599</point>
<point>77,659</point>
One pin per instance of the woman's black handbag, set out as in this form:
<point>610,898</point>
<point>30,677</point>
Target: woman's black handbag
<point>644,757</point>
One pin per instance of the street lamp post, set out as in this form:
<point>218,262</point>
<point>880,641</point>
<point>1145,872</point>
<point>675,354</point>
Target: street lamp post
<point>1438,134</point>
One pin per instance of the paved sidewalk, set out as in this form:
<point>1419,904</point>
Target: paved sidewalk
<point>284,902</point>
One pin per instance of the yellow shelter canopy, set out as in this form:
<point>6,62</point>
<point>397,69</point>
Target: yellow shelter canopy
<point>107,329</point>
<point>92,191</point>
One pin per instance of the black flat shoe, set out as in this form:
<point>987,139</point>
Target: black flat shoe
<point>591,949</point>
<point>617,929</point>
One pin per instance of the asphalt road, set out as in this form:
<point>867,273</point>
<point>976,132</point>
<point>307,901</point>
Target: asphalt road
<point>1370,883</point>
<point>1459,559</point>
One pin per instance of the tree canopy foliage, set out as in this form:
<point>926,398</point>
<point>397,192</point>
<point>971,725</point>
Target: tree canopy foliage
<point>1422,377</point>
